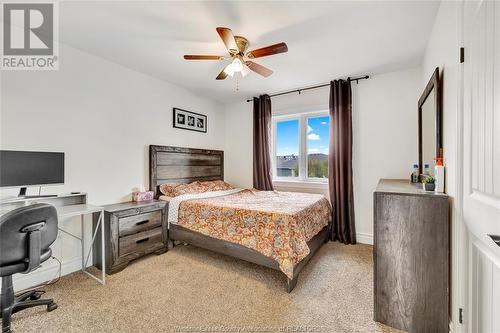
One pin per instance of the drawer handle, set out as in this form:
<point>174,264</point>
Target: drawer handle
<point>142,240</point>
<point>142,222</point>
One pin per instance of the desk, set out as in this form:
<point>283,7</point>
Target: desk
<point>67,205</point>
<point>82,210</point>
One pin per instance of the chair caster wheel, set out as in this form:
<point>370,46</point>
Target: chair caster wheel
<point>51,307</point>
<point>35,296</point>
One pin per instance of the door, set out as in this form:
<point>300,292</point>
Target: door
<point>481,161</point>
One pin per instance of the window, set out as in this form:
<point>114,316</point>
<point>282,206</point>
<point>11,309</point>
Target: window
<point>300,147</point>
<point>287,148</point>
<point>318,137</point>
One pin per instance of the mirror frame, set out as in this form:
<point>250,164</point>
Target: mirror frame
<point>433,84</point>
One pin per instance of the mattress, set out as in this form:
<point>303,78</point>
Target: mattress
<point>276,224</point>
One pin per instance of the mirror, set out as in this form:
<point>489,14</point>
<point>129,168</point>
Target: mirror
<point>429,152</point>
<point>429,125</point>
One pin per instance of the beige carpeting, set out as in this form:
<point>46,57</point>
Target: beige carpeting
<point>192,290</point>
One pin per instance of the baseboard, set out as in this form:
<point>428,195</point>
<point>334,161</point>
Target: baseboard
<point>364,238</point>
<point>48,271</point>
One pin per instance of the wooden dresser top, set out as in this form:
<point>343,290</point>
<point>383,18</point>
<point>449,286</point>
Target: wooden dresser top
<point>403,186</point>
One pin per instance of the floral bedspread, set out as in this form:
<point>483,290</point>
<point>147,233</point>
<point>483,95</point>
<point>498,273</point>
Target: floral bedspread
<point>276,224</point>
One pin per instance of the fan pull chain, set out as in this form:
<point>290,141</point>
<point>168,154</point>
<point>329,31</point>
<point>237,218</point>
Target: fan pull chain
<point>237,82</point>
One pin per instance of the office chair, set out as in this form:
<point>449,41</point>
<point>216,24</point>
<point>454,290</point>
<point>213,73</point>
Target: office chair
<point>25,236</point>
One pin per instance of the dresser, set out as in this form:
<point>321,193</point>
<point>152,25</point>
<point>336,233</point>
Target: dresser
<point>132,230</point>
<point>411,257</point>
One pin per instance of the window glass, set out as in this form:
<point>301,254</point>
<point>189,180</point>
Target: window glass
<point>318,138</point>
<point>287,148</point>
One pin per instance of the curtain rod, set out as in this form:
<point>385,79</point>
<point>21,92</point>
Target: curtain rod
<point>314,87</point>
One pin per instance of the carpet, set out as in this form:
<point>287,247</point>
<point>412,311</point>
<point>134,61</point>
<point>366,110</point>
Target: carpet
<point>193,290</point>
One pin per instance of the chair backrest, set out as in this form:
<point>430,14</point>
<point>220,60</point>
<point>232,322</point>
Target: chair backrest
<point>15,229</point>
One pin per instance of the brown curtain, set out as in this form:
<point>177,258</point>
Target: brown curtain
<point>340,163</point>
<point>261,131</point>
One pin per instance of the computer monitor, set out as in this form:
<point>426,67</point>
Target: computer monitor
<point>30,168</point>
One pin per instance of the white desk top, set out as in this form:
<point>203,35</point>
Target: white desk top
<point>75,210</point>
<point>66,211</point>
<point>14,199</point>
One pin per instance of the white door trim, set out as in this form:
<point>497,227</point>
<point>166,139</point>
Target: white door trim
<point>459,280</point>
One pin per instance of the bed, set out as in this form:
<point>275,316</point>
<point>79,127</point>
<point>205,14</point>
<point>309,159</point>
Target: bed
<point>186,165</point>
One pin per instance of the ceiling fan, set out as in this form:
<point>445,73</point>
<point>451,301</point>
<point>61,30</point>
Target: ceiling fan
<point>240,63</point>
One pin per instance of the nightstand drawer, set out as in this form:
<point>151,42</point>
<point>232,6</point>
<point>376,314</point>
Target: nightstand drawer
<point>133,224</point>
<point>143,242</point>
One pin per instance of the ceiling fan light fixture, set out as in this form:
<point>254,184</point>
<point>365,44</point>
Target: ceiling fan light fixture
<point>234,67</point>
<point>245,70</point>
<point>229,70</point>
<point>237,65</point>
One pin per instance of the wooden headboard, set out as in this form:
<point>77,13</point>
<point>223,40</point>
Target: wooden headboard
<point>183,165</point>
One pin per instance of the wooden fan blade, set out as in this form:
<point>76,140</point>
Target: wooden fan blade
<point>227,37</point>
<point>268,50</point>
<point>259,69</point>
<point>222,75</point>
<point>202,57</point>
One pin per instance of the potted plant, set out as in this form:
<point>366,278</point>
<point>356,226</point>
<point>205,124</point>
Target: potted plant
<point>428,183</point>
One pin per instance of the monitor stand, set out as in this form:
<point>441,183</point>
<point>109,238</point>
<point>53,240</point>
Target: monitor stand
<point>22,194</point>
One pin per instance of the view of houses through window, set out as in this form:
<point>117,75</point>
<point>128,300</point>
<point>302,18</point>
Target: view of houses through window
<point>301,147</point>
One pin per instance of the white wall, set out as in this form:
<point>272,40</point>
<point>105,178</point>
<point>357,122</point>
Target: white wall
<point>238,157</point>
<point>385,136</point>
<point>104,117</point>
<point>443,51</point>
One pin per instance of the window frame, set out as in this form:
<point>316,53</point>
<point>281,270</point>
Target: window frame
<point>303,171</point>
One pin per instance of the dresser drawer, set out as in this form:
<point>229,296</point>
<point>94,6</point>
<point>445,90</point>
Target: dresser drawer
<point>143,242</point>
<point>136,223</point>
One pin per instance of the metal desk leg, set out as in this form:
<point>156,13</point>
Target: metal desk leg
<point>100,223</point>
<point>82,241</point>
<point>103,249</point>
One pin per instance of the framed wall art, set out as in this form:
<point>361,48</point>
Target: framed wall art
<point>190,120</point>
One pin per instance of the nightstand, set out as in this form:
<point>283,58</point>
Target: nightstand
<point>131,230</point>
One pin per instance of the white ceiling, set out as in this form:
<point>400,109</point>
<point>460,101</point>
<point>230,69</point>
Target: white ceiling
<point>326,40</point>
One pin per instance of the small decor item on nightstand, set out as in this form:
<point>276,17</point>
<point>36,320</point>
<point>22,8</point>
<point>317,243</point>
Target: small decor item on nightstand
<point>143,196</point>
<point>428,183</point>
<point>190,120</point>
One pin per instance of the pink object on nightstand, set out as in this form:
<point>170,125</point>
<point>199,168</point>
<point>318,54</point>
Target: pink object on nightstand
<point>143,196</point>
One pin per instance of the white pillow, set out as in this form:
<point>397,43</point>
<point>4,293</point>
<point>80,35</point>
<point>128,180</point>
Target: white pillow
<point>165,198</point>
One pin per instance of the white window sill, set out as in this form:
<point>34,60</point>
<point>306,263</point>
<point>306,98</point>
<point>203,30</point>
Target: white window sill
<point>299,184</point>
